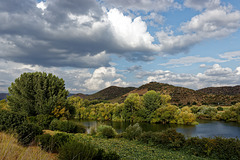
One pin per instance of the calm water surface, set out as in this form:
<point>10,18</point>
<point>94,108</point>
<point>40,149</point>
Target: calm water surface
<point>205,128</point>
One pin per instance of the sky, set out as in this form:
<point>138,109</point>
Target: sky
<point>94,44</point>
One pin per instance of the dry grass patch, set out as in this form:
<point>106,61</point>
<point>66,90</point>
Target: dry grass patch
<point>11,150</point>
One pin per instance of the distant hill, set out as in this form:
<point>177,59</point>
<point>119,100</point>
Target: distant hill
<point>107,93</point>
<point>180,95</point>
<point>3,96</point>
<point>226,90</point>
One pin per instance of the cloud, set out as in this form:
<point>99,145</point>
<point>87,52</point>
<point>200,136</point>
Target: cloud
<point>134,68</point>
<point>202,4</point>
<point>189,60</point>
<point>104,77</point>
<point>143,5</point>
<point>213,76</point>
<point>71,33</point>
<point>231,55</point>
<point>216,23</point>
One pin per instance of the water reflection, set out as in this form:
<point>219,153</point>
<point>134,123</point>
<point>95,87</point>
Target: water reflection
<point>205,128</point>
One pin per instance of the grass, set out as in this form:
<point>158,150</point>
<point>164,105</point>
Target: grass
<point>133,150</point>
<point>11,150</point>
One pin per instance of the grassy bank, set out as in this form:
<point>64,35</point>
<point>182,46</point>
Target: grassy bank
<point>11,150</point>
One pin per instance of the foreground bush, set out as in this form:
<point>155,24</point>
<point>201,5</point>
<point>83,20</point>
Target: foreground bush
<point>27,132</point>
<point>169,138</point>
<point>52,143</point>
<point>10,120</point>
<point>133,132</point>
<point>67,126</point>
<point>106,131</point>
<point>218,147</point>
<point>84,151</point>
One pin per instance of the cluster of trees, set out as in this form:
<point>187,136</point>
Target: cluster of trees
<point>151,107</point>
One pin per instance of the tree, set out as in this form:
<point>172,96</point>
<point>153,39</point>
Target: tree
<point>153,100</point>
<point>131,105</point>
<point>37,93</point>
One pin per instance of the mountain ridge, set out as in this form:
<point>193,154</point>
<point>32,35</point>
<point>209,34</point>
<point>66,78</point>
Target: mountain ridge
<point>226,95</point>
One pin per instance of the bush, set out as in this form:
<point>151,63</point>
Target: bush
<point>52,143</point>
<point>146,137</point>
<point>44,141</point>
<point>102,155</point>
<point>11,120</point>
<point>169,138</point>
<point>44,120</point>
<point>67,126</point>
<point>220,108</point>
<point>133,132</point>
<point>172,138</point>
<point>106,131</point>
<point>77,151</point>
<point>219,147</point>
<point>27,132</point>
<point>81,128</point>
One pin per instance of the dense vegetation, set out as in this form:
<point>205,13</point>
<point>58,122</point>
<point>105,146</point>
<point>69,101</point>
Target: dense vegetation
<point>38,102</point>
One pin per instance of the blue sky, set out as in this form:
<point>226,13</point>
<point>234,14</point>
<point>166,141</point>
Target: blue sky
<point>93,44</point>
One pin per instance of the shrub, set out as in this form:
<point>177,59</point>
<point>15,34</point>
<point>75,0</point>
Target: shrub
<point>44,120</point>
<point>11,120</point>
<point>52,143</point>
<point>219,147</point>
<point>172,138</point>
<point>220,108</point>
<point>106,131</point>
<point>44,141</point>
<point>102,155</point>
<point>169,138</point>
<point>77,151</point>
<point>146,137</point>
<point>133,132</point>
<point>80,128</point>
<point>67,126</point>
<point>27,132</point>
<point>93,130</point>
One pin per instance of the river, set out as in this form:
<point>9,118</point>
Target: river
<point>206,128</point>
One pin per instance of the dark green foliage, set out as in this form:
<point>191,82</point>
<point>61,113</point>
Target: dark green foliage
<point>169,138</point>
<point>27,132</point>
<point>37,93</point>
<point>45,141</point>
<point>67,126</point>
<point>133,132</point>
<point>147,137</point>
<point>11,120</point>
<point>44,120</point>
<point>172,138</point>
<point>218,147</point>
<point>52,143</point>
<point>102,155</point>
<point>2,128</point>
<point>80,128</point>
<point>77,151</point>
<point>220,108</point>
<point>106,131</point>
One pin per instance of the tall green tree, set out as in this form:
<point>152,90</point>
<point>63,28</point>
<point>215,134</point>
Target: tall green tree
<point>153,100</point>
<point>37,93</point>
